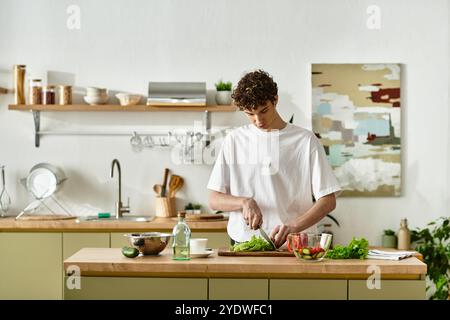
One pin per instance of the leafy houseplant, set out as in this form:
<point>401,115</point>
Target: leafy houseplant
<point>223,94</point>
<point>389,239</point>
<point>433,242</point>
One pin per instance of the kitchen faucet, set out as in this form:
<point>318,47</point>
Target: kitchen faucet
<point>120,209</point>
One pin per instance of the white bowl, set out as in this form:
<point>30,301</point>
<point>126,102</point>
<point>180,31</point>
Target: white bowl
<point>93,100</point>
<point>127,99</point>
<point>93,91</point>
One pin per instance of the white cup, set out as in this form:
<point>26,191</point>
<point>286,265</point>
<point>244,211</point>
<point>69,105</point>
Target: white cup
<point>198,245</point>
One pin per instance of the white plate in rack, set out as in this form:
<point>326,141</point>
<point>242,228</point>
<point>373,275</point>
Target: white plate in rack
<point>206,254</point>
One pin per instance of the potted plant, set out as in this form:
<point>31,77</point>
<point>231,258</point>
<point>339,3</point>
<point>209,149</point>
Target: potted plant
<point>189,208</point>
<point>389,239</point>
<point>197,208</point>
<point>223,94</point>
<point>433,242</point>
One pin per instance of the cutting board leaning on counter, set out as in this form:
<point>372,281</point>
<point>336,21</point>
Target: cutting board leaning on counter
<point>268,171</point>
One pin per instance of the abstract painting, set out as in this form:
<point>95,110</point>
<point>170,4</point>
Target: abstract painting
<point>356,116</point>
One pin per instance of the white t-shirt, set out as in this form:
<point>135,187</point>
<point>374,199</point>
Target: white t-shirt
<point>280,169</point>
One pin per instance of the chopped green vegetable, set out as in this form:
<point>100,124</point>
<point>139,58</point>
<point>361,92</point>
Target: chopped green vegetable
<point>356,249</point>
<point>254,244</point>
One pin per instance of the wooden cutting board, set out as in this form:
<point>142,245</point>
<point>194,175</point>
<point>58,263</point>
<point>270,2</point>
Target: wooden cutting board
<point>47,217</point>
<point>204,217</point>
<point>281,253</point>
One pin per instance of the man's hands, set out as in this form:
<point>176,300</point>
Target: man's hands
<point>280,233</point>
<point>252,213</point>
<point>316,213</point>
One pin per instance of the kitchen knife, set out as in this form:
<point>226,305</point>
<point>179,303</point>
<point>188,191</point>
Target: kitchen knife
<point>265,236</point>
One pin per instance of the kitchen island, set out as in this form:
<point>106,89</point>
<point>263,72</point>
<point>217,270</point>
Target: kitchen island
<point>99,273</point>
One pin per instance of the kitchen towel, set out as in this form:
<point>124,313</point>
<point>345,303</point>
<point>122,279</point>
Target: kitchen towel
<point>389,255</point>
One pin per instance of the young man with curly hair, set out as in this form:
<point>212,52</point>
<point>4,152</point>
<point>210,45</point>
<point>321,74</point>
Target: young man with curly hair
<point>268,171</point>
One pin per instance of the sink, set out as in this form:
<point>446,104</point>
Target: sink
<point>113,219</point>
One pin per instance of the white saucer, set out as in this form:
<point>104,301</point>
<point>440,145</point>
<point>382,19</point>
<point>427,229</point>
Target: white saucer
<point>205,254</point>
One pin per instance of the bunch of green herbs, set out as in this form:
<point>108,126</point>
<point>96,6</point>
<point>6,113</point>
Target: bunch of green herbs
<point>356,249</point>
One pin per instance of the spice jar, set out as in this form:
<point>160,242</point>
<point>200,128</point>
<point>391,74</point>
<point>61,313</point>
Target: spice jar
<point>65,95</point>
<point>35,91</point>
<point>48,95</point>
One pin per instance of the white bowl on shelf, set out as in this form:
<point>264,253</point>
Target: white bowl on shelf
<point>94,91</point>
<point>128,99</point>
<point>94,100</point>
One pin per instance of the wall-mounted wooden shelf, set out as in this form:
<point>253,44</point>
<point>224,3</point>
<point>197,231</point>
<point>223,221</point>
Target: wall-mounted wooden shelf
<point>3,90</point>
<point>115,107</point>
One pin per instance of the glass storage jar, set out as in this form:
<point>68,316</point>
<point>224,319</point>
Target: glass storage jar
<point>65,95</point>
<point>48,95</point>
<point>35,91</point>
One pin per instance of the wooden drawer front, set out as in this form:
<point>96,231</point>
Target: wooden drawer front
<point>300,289</point>
<point>118,288</point>
<point>238,289</point>
<point>390,290</point>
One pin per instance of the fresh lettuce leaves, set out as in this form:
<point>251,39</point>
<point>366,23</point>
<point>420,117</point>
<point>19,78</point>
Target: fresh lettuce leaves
<point>356,249</point>
<point>254,244</point>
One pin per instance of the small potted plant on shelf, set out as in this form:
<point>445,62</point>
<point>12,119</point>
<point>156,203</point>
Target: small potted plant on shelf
<point>223,94</point>
<point>197,208</point>
<point>389,239</point>
<point>189,208</point>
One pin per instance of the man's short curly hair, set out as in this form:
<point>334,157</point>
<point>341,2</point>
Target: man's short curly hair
<point>255,89</point>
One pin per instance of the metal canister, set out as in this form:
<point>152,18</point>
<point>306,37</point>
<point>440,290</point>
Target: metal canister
<point>19,83</point>
<point>65,95</point>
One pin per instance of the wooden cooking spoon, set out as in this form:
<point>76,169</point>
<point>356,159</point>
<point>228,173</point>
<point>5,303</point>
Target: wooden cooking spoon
<point>175,184</point>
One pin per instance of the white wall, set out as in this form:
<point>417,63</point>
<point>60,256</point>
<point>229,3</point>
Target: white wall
<point>123,45</point>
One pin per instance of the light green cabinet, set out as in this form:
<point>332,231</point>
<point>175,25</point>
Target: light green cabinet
<point>389,290</point>
<point>73,242</point>
<point>118,240</point>
<point>123,288</point>
<point>31,265</point>
<point>238,289</point>
<point>215,239</point>
<point>308,289</point>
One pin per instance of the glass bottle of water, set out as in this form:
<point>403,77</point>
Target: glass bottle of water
<point>181,238</point>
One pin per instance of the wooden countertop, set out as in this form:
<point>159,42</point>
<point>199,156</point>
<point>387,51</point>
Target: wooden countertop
<point>111,262</point>
<point>158,224</point>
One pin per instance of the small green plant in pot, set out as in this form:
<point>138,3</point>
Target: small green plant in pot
<point>389,239</point>
<point>223,94</point>
<point>189,208</point>
<point>197,208</point>
<point>433,242</point>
